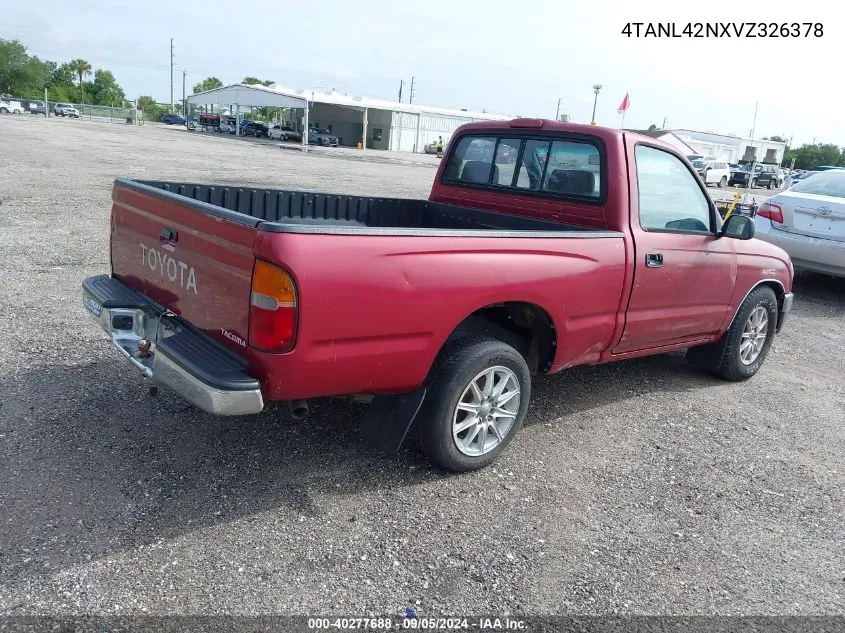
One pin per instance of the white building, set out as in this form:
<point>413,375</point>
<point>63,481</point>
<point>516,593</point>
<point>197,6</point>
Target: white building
<point>667,136</point>
<point>732,149</point>
<point>382,124</point>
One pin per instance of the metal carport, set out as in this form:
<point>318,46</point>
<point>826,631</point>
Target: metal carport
<point>252,96</point>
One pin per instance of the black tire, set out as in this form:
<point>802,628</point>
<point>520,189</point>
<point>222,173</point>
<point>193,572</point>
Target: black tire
<point>456,367</point>
<point>771,184</point>
<point>4,111</point>
<point>723,181</point>
<point>722,358</point>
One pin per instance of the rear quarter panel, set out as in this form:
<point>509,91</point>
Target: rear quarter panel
<point>375,310</point>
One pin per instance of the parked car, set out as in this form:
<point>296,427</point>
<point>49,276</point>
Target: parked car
<point>284,133</point>
<point>36,107</point>
<point>11,107</point>
<point>317,136</point>
<point>437,311</point>
<point>764,176</point>
<point>801,175</point>
<point>713,172</point>
<point>253,128</point>
<point>808,222</point>
<point>228,125</point>
<point>68,111</point>
<point>173,119</point>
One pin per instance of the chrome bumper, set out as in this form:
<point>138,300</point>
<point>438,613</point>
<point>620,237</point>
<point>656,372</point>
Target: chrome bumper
<point>181,358</point>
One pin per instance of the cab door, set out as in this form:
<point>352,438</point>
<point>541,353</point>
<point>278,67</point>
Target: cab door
<point>684,275</point>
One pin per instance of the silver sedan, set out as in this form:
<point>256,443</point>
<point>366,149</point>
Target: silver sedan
<point>808,222</point>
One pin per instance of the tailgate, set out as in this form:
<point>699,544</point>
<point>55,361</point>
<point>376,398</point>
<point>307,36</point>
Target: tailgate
<point>193,258</point>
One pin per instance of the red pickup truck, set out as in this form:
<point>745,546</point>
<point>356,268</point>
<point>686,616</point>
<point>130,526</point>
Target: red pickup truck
<point>542,246</point>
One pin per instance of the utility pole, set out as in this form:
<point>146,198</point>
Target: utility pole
<point>664,124</point>
<point>411,99</point>
<point>596,89</point>
<point>557,112</point>
<point>171,74</point>
<point>184,103</point>
<point>400,90</point>
<point>754,155</point>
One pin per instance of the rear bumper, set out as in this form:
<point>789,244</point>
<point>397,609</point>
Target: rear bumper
<point>181,358</point>
<point>807,253</point>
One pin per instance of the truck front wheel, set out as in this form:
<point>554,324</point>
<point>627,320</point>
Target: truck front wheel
<point>741,351</point>
<point>477,398</point>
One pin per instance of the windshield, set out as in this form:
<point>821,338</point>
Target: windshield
<point>826,183</point>
<point>699,163</point>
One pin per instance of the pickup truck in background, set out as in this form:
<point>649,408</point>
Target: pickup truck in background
<point>542,246</point>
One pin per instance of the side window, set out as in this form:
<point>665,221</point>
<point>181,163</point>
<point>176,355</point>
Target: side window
<point>472,160</point>
<point>573,168</point>
<point>669,197</point>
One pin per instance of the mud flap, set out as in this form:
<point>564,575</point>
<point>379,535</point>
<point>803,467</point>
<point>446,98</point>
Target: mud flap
<point>389,418</point>
<point>709,356</point>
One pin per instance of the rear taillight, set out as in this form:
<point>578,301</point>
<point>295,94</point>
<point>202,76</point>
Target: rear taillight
<point>771,211</point>
<point>272,309</point>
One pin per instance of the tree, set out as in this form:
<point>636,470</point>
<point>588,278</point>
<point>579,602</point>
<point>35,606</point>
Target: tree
<point>255,81</point>
<point>209,83</point>
<point>22,75</point>
<point>776,139</point>
<point>82,69</point>
<point>64,75</point>
<point>652,127</point>
<point>106,90</point>
<point>145,101</point>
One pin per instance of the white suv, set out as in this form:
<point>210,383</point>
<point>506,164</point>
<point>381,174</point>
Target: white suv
<point>65,109</point>
<point>13,107</point>
<point>713,172</point>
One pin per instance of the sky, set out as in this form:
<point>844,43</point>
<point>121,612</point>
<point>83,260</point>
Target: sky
<point>513,58</point>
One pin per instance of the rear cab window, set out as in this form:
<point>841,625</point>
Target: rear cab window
<point>545,166</point>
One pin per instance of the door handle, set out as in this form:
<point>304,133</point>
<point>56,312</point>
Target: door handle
<point>654,260</point>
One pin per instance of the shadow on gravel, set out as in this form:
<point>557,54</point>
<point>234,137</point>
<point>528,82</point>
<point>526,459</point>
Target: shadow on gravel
<point>90,463</point>
<point>819,289</point>
<point>93,464</point>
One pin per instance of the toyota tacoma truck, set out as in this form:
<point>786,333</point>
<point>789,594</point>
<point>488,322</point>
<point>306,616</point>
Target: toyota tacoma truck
<point>542,246</point>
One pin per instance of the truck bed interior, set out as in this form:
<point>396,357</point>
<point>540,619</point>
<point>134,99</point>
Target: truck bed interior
<point>303,211</point>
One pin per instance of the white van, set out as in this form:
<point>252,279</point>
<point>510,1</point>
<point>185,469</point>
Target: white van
<point>713,172</point>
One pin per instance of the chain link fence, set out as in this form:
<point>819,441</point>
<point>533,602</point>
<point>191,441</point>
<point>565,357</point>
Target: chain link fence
<point>107,114</point>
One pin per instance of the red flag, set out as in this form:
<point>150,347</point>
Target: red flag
<point>623,107</point>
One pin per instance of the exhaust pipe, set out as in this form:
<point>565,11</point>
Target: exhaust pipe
<point>298,409</point>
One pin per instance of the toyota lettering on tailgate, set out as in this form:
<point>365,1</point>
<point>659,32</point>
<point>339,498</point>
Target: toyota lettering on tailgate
<point>169,268</point>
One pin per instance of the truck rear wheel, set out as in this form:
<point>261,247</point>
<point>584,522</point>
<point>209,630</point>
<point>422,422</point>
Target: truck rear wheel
<point>477,399</point>
<point>746,344</point>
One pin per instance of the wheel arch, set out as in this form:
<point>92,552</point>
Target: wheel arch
<point>526,326</point>
<point>774,284</point>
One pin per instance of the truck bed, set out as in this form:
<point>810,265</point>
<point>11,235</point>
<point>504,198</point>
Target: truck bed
<point>278,210</point>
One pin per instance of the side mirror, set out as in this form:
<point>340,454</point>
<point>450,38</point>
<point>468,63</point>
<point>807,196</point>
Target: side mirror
<point>738,227</point>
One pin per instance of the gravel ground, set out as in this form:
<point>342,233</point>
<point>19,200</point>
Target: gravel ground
<point>639,487</point>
